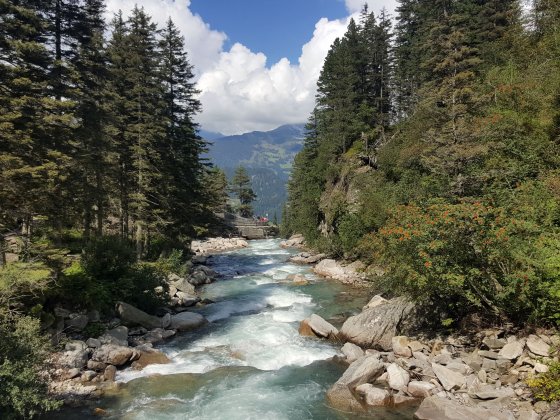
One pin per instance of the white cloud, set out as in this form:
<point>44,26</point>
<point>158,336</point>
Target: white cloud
<point>354,6</point>
<point>204,45</point>
<point>240,92</point>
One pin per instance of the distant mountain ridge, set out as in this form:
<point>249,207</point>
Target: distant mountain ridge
<point>268,157</point>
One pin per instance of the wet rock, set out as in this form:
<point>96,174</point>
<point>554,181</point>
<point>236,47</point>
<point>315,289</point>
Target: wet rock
<point>397,377</point>
<point>352,352</point>
<point>149,356</point>
<point>449,379</point>
<point>402,399</point>
<point>154,336</point>
<point>186,321</point>
<point>538,346</point>
<point>375,327</point>
<point>364,370</point>
<point>438,408</point>
<point>374,397</point>
<point>133,316</point>
<point>420,389</point>
<point>512,350</point>
<point>400,346</point>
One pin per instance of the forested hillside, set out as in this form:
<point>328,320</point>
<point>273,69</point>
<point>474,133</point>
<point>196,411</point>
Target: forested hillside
<point>268,157</point>
<point>103,184</point>
<point>432,153</point>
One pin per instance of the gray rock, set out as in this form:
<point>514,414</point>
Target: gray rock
<point>133,316</point>
<point>113,355</point>
<point>494,343</point>
<point>512,350</point>
<point>459,367</point>
<point>449,379</point>
<point>117,336</point>
<point>375,301</point>
<point>352,352</point>
<point>489,354</point>
<point>365,369</point>
<point>93,316</point>
<point>375,327</point>
<point>74,345</point>
<point>77,322</point>
<point>374,397</point>
<point>186,299</point>
<point>186,321</point>
<point>321,327</point>
<point>490,394</point>
<point>72,373</point>
<point>183,285</point>
<point>97,366</point>
<point>400,346</point>
<point>93,342</point>
<point>397,377</point>
<point>438,408</point>
<point>110,373</point>
<point>538,346</point>
<point>88,375</point>
<point>420,389</point>
<point>443,359</point>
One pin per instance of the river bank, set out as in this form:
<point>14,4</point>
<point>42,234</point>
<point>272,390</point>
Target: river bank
<point>253,351</point>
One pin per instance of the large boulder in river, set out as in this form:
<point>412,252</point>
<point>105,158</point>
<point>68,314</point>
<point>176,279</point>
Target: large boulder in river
<point>347,274</point>
<point>315,326</point>
<point>438,408</point>
<point>133,316</point>
<point>375,327</point>
<point>364,370</point>
<point>186,321</point>
<point>111,354</point>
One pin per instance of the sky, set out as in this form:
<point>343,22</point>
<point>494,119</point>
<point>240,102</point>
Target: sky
<point>256,61</point>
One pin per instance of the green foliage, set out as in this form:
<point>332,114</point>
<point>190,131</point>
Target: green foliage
<point>350,229</point>
<point>23,352</point>
<point>94,330</point>
<point>468,257</point>
<point>108,258</point>
<point>546,386</point>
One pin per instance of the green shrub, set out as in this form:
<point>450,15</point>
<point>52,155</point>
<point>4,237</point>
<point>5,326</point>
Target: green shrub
<point>546,386</point>
<point>80,289</point>
<point>350,229</point>
<point>108,258</point>
<point>144,286</point>
<point>471,257</point>
<point>23,352</point>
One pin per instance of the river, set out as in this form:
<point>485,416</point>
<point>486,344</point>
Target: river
<point>249,362</point>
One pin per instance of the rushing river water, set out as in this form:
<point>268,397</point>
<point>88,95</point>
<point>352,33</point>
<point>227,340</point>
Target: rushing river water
<point>249,362</point>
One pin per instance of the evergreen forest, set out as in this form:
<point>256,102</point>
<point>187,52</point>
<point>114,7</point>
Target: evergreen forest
<point>433,153</point>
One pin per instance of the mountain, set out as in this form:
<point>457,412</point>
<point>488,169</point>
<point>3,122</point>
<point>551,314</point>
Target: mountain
<point>268,157</point>
<point>209,135</point>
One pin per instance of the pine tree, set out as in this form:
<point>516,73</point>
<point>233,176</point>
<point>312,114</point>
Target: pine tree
<point>240,185</point>
<point>183,168</point>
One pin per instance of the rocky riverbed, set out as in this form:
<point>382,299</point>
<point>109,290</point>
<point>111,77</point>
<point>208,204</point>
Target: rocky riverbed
<point>271,338</point>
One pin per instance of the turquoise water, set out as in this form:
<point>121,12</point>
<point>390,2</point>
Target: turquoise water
<point>249,362</point>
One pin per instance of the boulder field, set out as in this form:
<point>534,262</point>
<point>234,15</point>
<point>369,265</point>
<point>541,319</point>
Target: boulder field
<point>447,378</point>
